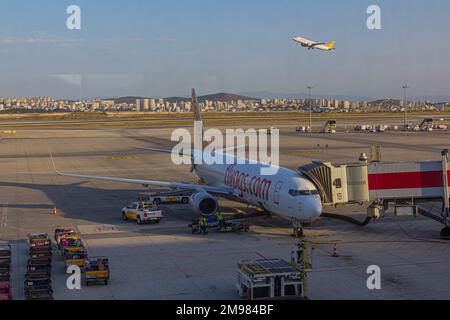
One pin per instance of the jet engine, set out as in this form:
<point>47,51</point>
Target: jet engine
<point>204,204</point>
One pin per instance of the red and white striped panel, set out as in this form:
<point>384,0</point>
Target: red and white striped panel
<point>407,179</point>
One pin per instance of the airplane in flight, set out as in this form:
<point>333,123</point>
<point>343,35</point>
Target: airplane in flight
<point>286,193</point>
<point>315,45</point>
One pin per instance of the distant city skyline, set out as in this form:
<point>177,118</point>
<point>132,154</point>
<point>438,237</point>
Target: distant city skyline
<point>258,95</point>
<point>163,48</point>
<point>222,102</point>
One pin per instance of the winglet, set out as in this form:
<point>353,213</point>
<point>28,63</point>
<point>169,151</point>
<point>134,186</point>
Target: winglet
<point>331,45</point>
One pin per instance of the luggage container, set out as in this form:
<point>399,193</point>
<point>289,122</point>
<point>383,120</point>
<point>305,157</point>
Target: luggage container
<point>5,291</point>
<point>38,288</point>
<point>96,270</point>
<point>39,240</point>
<point>77,258</point>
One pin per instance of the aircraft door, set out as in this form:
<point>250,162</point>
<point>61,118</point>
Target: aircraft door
<point>276,192</point>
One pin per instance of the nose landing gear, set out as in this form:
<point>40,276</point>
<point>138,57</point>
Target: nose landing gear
<point>297,228</point>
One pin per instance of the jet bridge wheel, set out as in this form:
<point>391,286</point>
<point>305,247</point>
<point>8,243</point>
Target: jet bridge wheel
<point>445,233</point>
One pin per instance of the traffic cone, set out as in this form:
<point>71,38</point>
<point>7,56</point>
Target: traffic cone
<point>335,254</point>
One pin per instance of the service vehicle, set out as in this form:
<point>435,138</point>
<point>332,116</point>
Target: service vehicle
<point>68,234</point>
<point>5,275</point>
<point>5,251</point>
<point>38,268</point>
<point>59,230</point>
<point>40,255</point>
<point>39,273</point>
<point>234,226</point>
<point>5,291</point>
<point>5,258</point>
<point>38,288</point>
<point>63,231</point>
<point>178,196</point>
<point>39,240</point>
<point>96,270</point>
<point>39,260</point>
<point>302,129</point>
<point>74,258</point>
<point>70,244</point>
<point>142,212</point>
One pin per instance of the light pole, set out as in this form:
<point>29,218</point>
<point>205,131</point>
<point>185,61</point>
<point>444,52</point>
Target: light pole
<point>405,88</point>
<point>310,108</point>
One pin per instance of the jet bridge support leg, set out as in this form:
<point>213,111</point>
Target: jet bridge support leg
<point>445,233</point>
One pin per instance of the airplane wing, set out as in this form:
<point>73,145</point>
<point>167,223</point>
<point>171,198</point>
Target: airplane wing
<point>317,44</point>
<point>174,185</point>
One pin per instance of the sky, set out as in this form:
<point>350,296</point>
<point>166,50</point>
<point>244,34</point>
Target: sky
<point>162,48</point>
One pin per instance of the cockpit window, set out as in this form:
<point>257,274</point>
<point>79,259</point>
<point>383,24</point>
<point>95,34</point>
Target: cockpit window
<point>296,193</point>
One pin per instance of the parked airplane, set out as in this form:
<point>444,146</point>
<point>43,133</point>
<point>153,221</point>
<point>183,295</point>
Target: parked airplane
<point>286,193</point>
<point>315,45</point>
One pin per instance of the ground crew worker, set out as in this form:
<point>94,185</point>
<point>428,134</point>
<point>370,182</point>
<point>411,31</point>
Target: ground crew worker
<point>203,225</point>
<point>194,226</point>
<point>220,220</point>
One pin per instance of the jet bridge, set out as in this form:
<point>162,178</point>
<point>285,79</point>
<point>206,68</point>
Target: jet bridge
<point>426,125</point>
<point>329,127</point>
<point>403,184</point>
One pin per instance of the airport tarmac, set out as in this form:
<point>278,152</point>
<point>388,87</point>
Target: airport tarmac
<point>166,261</point>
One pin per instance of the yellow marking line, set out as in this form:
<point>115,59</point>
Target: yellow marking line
<point>4,216</point>
<point>300,152</point>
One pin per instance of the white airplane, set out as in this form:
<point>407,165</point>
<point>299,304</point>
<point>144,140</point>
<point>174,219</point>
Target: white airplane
<point>287,193</point>
<point>315,45</point>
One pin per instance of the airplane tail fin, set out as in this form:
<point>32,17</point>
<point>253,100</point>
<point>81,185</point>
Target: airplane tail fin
<point>331,45</point>
<point>195,107</point>
<point>198,132</point>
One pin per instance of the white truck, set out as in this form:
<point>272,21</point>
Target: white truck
<point>178,196</point>
<point>142,212</point>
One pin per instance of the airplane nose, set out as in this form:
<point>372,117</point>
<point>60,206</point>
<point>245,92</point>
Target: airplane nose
<point>314,208</point>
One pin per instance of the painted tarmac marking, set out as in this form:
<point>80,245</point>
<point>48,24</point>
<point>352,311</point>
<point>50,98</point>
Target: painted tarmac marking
<point>120,158</point>
<point>4,220</point>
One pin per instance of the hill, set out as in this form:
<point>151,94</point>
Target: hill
<point>222,96</point>
<point>386,101</point>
